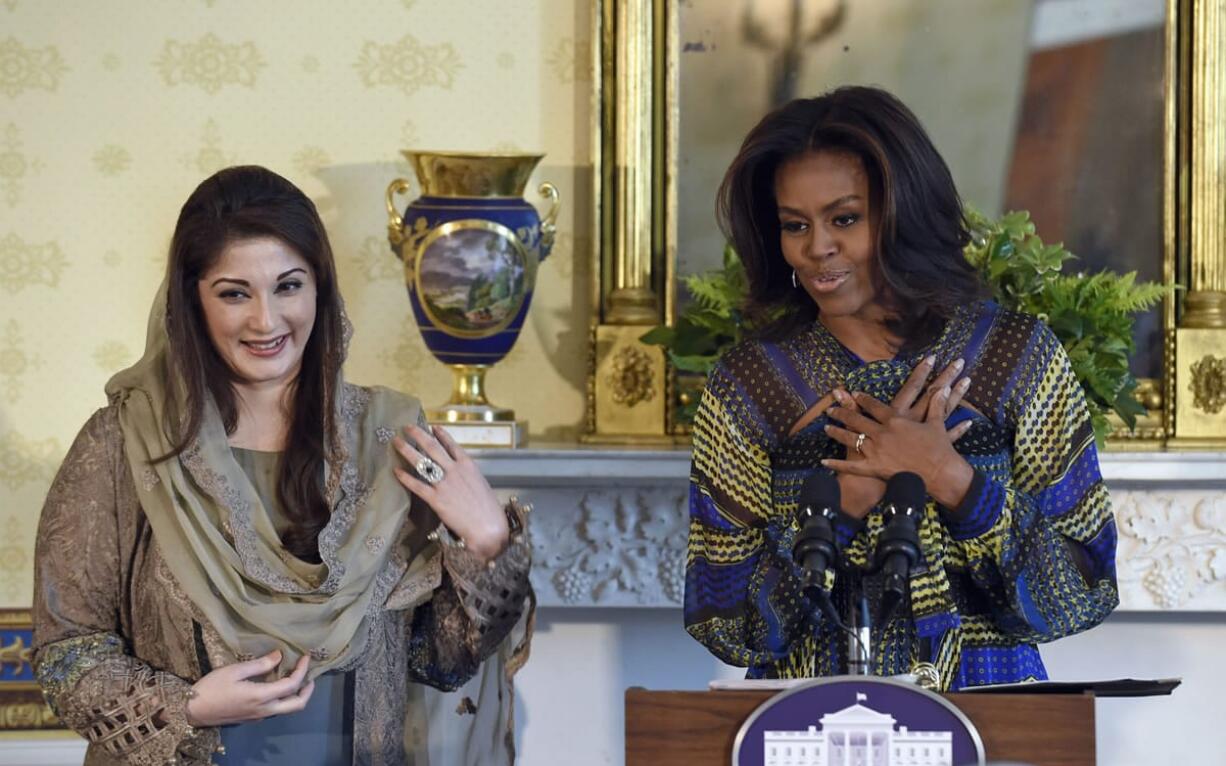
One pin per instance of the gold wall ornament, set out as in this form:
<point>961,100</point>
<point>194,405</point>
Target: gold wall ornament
<point>1198,222</point>
<point>571,61</point>
<point>14,655</point>
<point>210,64</point>
<point>1200,417</point>
<point>32,68</point>
<point>633,53</point>
<point>210,157</point>
<point>22,707</point>
<point>1205,303</point>
<point>1204,308</point>
<point>16,362</point>
<point>408,65</point>
<point>25,264</point>
<point>630,377</point>
<point>632,296</point>
<point>27,461</point>
<point>15,165</point>
<point>16,560</point>
<point>112,160</point>
<point>25,711</point>
<point>112,355</point>
<point>311,159</point>
<point>628,390</point>
<point>1208,384</point>
<point>370,261</point>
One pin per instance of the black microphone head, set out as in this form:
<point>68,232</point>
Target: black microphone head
<point>820,490</point>
<point>906,490</point>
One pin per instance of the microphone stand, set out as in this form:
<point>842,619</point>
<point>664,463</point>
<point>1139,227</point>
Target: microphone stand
<point>859,630</point>
<point>896,554</point>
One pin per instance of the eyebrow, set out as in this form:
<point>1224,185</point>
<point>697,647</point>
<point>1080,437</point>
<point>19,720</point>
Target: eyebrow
<point>245,283</point>
<point>831,206</point>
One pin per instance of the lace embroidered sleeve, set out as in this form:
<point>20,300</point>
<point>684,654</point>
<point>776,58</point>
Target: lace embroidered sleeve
<point>120,704</point>
<point>474,608</point>
<point>492,593</point>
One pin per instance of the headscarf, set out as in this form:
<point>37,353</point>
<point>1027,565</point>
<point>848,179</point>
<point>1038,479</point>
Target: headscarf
<point>220,543</point>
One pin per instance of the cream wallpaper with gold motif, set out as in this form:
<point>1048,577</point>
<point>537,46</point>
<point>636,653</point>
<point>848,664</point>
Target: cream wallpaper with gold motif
<point>111,113</point>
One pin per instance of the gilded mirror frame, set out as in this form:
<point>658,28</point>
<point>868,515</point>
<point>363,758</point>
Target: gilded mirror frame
<point>632,390</point>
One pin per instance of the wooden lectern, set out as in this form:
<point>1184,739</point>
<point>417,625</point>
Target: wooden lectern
<point>675,728</point>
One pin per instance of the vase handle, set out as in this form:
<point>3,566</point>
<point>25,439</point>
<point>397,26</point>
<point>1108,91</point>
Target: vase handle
<point>395,224</point>
<point>549,224</point>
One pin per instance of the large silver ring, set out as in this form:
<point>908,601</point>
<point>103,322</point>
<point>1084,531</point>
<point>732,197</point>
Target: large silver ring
<point>860,443</point>
<point>429,471</point>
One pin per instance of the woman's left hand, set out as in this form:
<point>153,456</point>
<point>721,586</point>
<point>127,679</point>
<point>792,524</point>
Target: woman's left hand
<point>462,498</point>
<point>893,442</point>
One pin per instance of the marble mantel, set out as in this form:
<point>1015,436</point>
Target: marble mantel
<point>610,527</point>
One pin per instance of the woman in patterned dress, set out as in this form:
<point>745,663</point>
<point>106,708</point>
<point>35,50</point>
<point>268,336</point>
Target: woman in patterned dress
<point>879,355</point>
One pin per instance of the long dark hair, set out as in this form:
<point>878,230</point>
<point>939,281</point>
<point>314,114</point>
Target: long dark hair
<point>920,232</point>
<point>242,203</point>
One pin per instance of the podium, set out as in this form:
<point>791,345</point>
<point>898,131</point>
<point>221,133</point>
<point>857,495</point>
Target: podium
<point>671,728</point>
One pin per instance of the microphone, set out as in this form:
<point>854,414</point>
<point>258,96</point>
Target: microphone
<point>814,547</point>
<point>898,546</point>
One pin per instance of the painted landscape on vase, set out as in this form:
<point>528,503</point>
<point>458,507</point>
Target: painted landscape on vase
<point>472,280</point>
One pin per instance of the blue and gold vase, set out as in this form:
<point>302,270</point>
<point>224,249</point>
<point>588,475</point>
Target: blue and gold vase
<point>471,246</point>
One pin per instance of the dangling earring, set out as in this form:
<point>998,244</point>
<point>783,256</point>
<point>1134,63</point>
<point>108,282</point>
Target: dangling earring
<point>794,285</point>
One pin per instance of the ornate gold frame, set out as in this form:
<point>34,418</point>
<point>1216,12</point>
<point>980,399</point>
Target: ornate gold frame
<point>630,387</point>
<point>633,151</point>
<point>22,707</point>
<point>412,272</point>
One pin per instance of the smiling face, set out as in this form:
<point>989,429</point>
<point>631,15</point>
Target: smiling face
<point>258,301</point>
<point>827,232</point>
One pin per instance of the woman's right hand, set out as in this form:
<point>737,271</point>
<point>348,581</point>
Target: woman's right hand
<point>861,493</point>
<point>227,695</point>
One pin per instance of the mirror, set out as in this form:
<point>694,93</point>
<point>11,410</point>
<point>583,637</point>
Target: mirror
<point>1052,106</point>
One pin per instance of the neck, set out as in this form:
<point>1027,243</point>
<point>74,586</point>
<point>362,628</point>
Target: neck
<point>263,416</point>
<point>866,336</point>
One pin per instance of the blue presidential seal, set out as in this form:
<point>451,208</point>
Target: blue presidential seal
<point>857,721</point>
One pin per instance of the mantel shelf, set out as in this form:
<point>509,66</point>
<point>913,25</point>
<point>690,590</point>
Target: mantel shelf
<point>611,524</point>
<point>570,464</point>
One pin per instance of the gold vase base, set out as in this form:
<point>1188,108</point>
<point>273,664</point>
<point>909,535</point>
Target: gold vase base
<point>470,412</point>
<point>470,418</point>
<point>480,427</point>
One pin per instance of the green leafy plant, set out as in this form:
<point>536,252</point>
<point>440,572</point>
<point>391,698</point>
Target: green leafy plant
<point>708,326</point>
<point>1092,315</point>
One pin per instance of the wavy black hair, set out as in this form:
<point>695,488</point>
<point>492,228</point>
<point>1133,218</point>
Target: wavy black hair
<point>920,233</point>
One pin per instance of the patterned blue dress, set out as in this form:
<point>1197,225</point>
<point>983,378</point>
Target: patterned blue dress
<point>1029,555</point>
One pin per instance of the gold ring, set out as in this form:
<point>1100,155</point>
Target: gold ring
<point>859,443</point>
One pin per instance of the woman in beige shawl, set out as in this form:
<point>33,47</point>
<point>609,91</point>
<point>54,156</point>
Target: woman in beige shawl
<point>244,552</point>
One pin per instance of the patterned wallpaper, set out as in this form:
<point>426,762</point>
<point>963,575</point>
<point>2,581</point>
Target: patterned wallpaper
<point>111,113</point>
